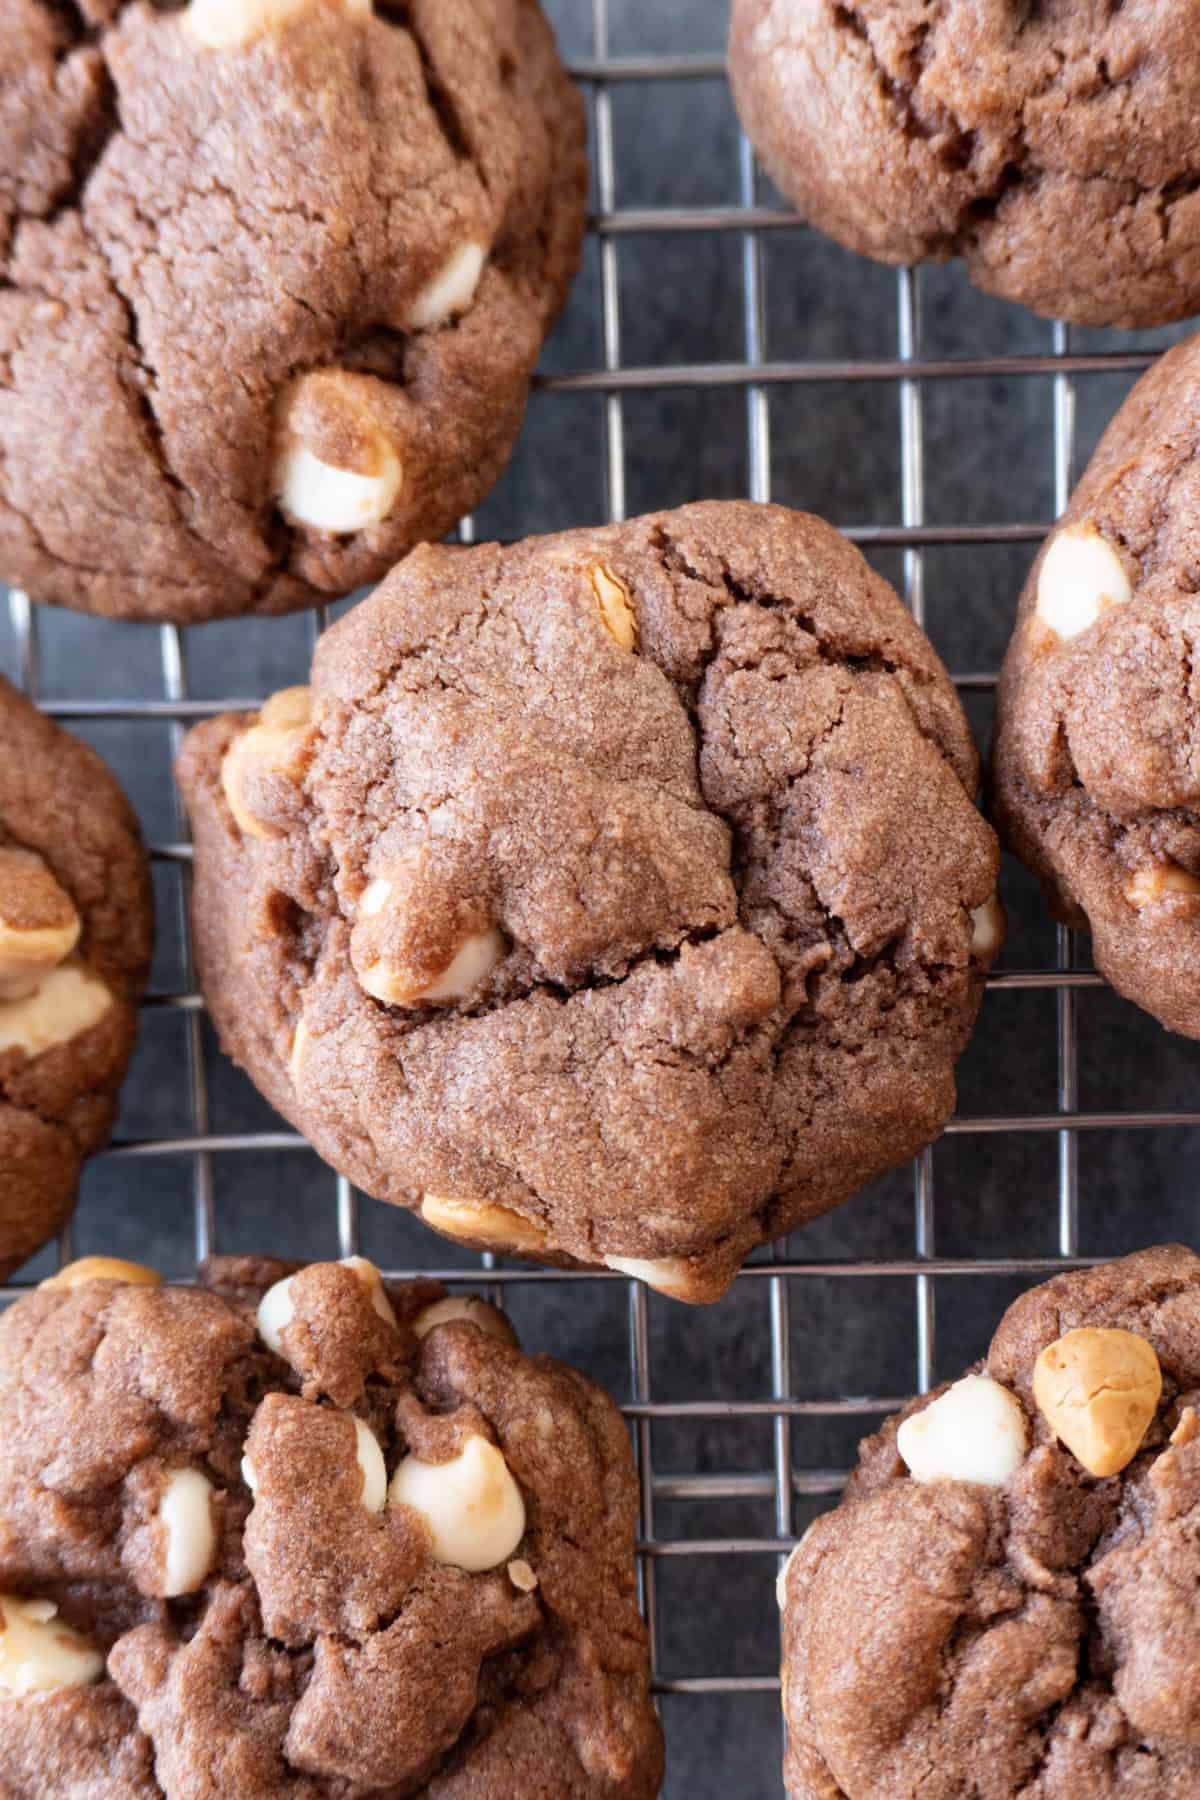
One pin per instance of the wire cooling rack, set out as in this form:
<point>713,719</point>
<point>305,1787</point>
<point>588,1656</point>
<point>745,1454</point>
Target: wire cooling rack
<point>744,1417</point>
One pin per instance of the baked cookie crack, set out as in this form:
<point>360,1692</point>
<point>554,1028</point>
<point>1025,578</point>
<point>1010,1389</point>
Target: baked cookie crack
<point>144,386</point>
<point>437,92</point>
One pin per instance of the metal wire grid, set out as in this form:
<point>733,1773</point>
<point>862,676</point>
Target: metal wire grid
<point>758,376</point>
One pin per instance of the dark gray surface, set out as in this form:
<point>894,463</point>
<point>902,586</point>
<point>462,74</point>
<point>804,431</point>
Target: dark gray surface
<point>835,450</point>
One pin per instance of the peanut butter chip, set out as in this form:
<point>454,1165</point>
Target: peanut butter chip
<point>1099,1390</point>
<point>1158,881</point>
<point>288,709</point>
<point>616,614</point>
<point>102,1268</point>
<point>1186,1429</point>
<point>68,1001</point>
<point>275,744</point>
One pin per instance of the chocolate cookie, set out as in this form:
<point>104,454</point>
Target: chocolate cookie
<point>75,930</point>
<point>1052,146</point>
<point>1004,1603</point>
<point>367,1549</point>
<point>616,898</point>
<point>1096,766</point>
<point>274,275</point>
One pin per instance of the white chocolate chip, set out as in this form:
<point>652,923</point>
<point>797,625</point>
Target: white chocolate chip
<point>336,501</point>
<point>471,1310</point>
<point>38,1653</point>
<point>987,928</point>
<point>375,897</point>
<point>522,1576</point>
<point>374,1471</point>
<point>275,745</point>
<point>474,959</point>
<point>497,1226</point>
<point>70,1000</point>
<point>371,1279</point>
<point>667,1274</point>
<point>368,1456</point>
<point>1081,576</point>
<point>336,468</point>
<point>1156,882</point>
<point>782,1578</point>
<point>451,290</point>
<point>39,925</point>
<point>102,1268</point>
<point>616,614</point>
<point>298,1050</point>
<point>975,1431</point>
<point>276,1310</point>
<point>471,1505</point>
<point>27,957</point>
<point>229,24</point>
<point>185,1512</point>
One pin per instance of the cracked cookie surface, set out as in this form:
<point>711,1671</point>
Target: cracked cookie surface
<point>1026,1637</point>
<point>1096,764</point>
<point>76,921</point>
<point>273,281</point>
<point>615,898</point>
<point>1050,146</point>
<point>257,1612</point>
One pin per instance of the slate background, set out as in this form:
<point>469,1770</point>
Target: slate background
<point>836,451</point>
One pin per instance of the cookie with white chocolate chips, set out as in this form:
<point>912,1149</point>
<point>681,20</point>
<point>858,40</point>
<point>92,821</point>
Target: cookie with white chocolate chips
<point>615,898</point>
<point>75,929</point>
<point>298,1532</point>
<point>274,275</point>
<point>1096,764</point>
<point>1004,1604</point>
